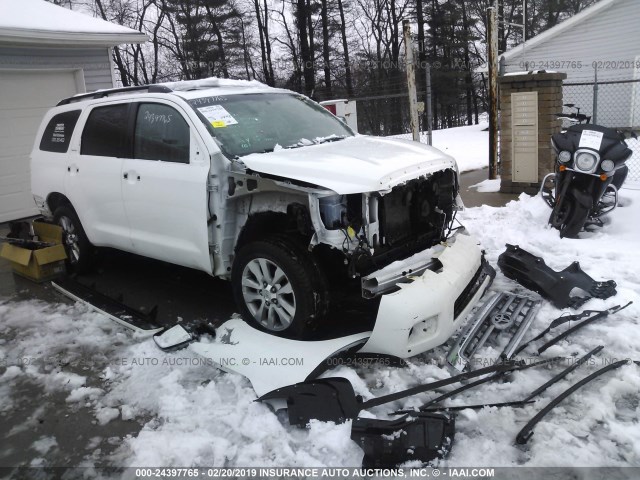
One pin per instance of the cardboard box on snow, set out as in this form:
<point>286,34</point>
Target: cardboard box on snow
<point>41,264</point>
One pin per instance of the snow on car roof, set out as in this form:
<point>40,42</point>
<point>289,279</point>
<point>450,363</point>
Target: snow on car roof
<point>31,16</point>
<point>189,89</point>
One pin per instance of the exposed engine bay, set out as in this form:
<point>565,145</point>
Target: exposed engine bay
<point>376,229</point>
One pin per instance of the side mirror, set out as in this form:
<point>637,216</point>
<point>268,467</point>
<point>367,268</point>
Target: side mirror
<point>173,338</point>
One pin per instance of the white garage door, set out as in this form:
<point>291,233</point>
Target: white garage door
<point>25,96</point>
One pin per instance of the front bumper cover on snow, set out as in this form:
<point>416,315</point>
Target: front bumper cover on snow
<point>424,313</point>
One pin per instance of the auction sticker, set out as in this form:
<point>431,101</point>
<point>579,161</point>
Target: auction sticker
<point>591,139</point>
<point>218,116</point>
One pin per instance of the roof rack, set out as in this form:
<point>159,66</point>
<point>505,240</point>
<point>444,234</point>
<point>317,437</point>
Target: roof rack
<point>110,91</point>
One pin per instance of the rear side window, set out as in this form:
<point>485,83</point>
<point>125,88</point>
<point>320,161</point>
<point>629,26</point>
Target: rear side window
<point>106,132</point>
<point>161,134</point>
<point>57,134</point>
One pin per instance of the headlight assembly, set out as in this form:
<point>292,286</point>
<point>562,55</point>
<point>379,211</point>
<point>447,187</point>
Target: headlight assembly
<point>564,156</point>
<point>607,165</point>
<point>586,161</point>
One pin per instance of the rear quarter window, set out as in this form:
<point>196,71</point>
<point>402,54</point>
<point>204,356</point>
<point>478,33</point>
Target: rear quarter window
<point>57,134</point>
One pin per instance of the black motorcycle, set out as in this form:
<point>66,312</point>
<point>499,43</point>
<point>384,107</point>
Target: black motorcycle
<point>590,169</point>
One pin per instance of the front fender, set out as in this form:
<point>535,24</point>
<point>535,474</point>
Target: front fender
<point>583,199</point>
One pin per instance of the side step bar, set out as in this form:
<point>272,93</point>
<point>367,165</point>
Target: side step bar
<point>110,307</point>
<point>501,313</point>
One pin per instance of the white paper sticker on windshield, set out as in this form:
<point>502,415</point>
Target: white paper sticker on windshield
<point>591,139</point>
<point>217,115</point>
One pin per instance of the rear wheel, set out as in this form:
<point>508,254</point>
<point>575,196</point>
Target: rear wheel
<point>79,250</point>
<point>279,287</point>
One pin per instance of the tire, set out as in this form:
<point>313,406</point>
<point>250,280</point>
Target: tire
<point>279,287</point>
<point>80,252</point>
<point>570,219</point>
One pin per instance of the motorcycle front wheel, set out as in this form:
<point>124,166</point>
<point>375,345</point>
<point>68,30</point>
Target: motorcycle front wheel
<point>568,217</point>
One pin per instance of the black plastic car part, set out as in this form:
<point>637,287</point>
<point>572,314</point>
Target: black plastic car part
<point>334,400</point>
<point>427,407</point>
<point>578,326</point>
<point>589,315</point>
<point>388,443</point>
<point>114,308</point>
<point>525,434</point>
<point>533,273</point>
<point>514,403</point>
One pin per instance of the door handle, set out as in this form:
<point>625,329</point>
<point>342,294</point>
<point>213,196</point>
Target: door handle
<point>133,174</point>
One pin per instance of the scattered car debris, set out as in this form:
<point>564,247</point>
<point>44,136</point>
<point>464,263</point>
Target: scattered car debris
<point>427,407</point>
<point>501,313</point>
<point>270,362</point>
<point>182,334</point>
<point>590,315</point>
<point>334,400</point>
<point>514,403</point>
<point>25,243</point>
<point>388,443</point>
<point>113,308</point>
<point>533,273</point>
<point>527,431</point>
<point>35,250</point>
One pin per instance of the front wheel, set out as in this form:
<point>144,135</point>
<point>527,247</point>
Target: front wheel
<point>569,217</point>
<point>79,250</point>
<point>279,288</point>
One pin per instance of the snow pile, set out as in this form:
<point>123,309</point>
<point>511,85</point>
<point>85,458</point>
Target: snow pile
<point>487,185</point>
<point>191,414</point>
<point>43,16</point>
<point>215,82</point>
<point>468,145</point>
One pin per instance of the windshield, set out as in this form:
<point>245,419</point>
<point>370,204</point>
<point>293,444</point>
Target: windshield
<point>264,122</point>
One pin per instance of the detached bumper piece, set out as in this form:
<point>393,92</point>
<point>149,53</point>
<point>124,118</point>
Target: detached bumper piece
<point>531,272</point>
<point>388,443</point>
<point>110,307</point>
<point>503,315</point>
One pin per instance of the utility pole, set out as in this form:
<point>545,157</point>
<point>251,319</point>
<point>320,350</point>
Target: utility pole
<point>524,21</point>
<point>492,60</point>
<point>429,106</point>
<point>411,80</point>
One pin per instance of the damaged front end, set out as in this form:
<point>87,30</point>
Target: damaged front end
<point>404,249</point>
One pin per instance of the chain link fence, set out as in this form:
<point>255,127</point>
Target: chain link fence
<point>388,115</point>
<point>613,104</point>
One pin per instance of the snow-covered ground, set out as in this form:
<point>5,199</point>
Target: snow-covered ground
<point>468,145</point>
<point>192,414</point>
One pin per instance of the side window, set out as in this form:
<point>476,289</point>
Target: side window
<point>57,134</point>
<point>161,134</point>
<point>105,133</point>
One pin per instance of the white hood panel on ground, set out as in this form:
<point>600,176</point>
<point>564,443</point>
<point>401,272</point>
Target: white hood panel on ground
<point>353,165</point>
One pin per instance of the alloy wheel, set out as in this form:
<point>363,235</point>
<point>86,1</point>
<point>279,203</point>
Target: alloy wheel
<point>268,294</point>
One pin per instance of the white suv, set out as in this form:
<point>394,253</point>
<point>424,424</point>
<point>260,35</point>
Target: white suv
<point>268,189</point>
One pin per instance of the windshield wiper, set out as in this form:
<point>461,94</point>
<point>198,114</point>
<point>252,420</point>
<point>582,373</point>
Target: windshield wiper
<point>334,138</point>
<point>317,141</point>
